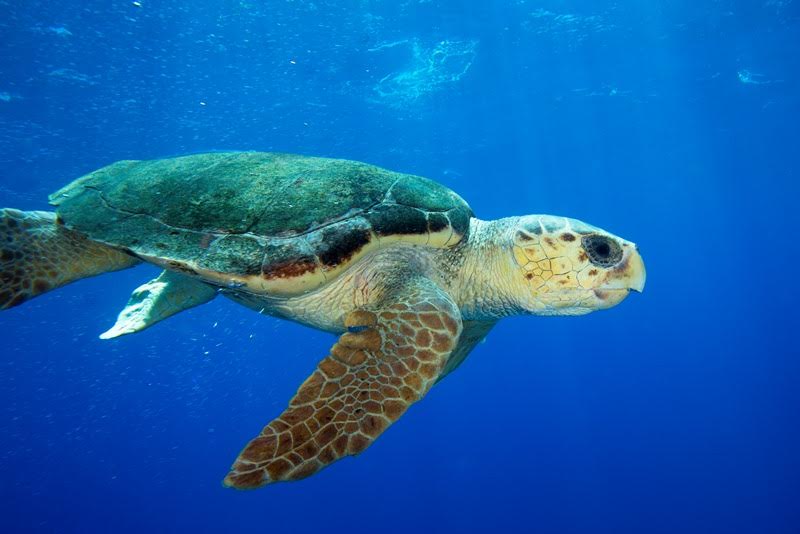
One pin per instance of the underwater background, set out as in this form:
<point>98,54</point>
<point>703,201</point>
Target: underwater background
<point>671,123</point>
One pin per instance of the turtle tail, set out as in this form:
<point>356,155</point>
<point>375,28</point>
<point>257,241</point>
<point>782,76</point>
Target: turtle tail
<point>38,253</point>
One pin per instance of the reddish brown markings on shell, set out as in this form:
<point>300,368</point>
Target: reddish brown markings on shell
<point>181,267</point>
<point>289,269</point>
<point>205,241</point>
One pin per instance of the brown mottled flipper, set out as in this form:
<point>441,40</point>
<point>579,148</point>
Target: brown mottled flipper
<point>37,254</point>
<point>388,359</point>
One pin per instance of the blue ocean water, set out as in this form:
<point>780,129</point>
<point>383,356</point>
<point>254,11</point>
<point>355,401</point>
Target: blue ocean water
<point>673,124</point>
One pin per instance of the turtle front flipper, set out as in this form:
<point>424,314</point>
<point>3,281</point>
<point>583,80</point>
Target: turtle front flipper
<point>388,359</point>
<point>158,299</point>
<point>38,253</point>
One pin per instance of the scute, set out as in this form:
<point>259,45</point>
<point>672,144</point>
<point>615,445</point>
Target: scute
<point>272,222</point>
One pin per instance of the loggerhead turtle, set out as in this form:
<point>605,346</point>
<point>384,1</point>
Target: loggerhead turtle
<point>395,264</point>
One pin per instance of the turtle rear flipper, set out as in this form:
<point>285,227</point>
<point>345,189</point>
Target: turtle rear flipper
<point>38,253</point>
<point>158,299</point>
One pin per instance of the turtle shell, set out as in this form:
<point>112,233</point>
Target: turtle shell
<point>274,223</point>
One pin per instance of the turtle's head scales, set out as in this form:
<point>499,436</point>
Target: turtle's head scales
<point>567,267</point>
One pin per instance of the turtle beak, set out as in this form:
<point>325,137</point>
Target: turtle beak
<point>636,273</point>
<point>629,274</point>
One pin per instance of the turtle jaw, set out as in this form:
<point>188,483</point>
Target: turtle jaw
<point>629,275</point>
<point>637,272</point>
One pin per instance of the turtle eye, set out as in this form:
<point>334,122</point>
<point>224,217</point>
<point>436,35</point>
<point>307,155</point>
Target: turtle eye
<point>603,251</point>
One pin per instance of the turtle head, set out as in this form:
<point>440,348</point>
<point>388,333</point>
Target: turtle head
<point>567,267</point>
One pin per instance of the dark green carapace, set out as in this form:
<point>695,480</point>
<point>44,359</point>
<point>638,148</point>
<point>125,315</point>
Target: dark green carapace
<point>248,213</point>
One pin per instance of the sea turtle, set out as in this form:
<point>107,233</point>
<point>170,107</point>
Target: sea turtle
<point>395,264</point>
